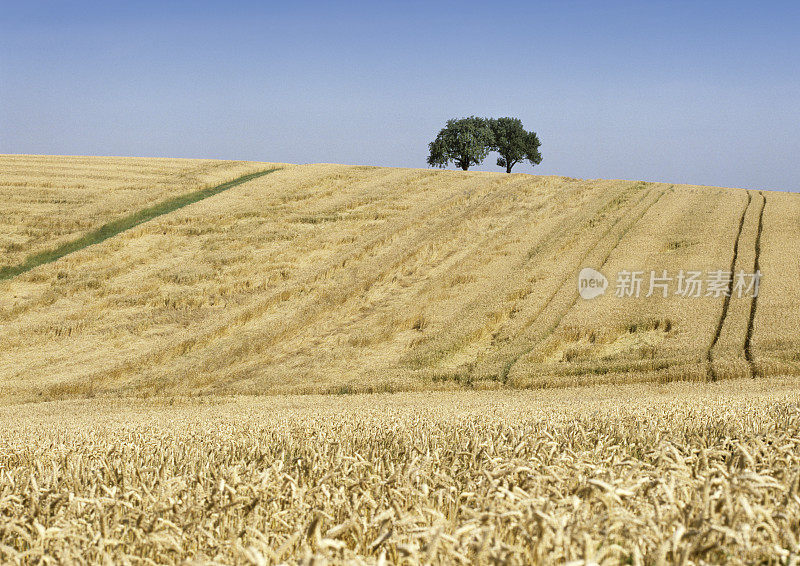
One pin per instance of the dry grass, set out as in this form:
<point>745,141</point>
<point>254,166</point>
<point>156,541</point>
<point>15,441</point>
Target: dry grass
<point>689,474</point>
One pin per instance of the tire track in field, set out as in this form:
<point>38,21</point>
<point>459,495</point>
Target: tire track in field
<point>457,342</point>
<point>565,230</point>
<point>411,221</point>
<point>506,370</point>
<point>115,227</point>
<point>748,352</point>
<point>552,328</point>
<point>512,225</point>
<point>727,300</point>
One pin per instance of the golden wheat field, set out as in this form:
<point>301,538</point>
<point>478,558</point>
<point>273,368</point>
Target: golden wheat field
<point>685,473</point>
<point>331,278</point>
<point>218,362</point>
<point>49,200</point>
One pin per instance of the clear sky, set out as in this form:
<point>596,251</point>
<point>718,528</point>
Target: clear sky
<point>698,92</point>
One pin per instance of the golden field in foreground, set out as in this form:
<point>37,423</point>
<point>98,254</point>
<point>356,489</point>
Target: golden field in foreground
<point>332,278</point>
<point>682,473</point>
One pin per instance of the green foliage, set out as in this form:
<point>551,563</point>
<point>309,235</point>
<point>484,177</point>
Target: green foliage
<point>513,143</point>
<point>465,141</point>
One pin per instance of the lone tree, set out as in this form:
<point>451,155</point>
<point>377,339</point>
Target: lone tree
<point>513,143</point>
<point>465,141</point>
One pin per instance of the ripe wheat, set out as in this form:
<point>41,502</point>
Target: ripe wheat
<point>605,475</point>
<point>330,278</point>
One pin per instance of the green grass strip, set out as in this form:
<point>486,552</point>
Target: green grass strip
<point>115,227</point>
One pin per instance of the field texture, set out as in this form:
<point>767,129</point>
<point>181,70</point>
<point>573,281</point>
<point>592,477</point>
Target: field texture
<point>330,278</point>
<point>684,473</point>
<point>143,300</point>
<point>50,201</point>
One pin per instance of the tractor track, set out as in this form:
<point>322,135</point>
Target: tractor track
<point>555,234</point>
<point>748,352</point>
<point>506,370</point>
<point>712,374</point>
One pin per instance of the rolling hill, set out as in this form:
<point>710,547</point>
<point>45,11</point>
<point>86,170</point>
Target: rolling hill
<point>145,276</point>
<point>131,289</point>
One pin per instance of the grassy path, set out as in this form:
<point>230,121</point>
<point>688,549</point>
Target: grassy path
<point>115,227</point>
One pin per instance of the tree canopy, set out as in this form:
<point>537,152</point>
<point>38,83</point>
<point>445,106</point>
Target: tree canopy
<point>467,142</point>
<point>464,141</point>
<point>513,143</point>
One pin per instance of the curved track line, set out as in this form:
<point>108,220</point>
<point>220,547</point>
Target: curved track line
<point>506,370</point>
<point>727,301</point>
<point>472,198</point>
<point>748,352</point>
<point>460,341</point>
<point>120,225</point>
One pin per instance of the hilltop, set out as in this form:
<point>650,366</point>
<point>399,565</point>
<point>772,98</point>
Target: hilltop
<point>149,276</point>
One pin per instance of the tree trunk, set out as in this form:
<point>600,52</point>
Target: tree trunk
<point>464,165</point>
<point>508,167</point>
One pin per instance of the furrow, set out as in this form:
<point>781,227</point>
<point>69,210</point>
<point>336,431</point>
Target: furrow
<point>748,352</point>
<point>727,300</point>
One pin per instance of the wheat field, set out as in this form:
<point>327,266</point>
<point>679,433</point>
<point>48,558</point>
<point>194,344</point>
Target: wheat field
<point>214,362</point>
<point>50,200</point>
<point>690,473</point>
<point>331,278</point>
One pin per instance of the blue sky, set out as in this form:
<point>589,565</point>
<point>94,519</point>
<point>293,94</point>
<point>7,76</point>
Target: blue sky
<point>697,92</point>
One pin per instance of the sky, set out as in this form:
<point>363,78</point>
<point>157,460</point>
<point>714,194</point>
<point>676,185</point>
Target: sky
<point>687,92</point>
